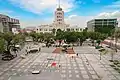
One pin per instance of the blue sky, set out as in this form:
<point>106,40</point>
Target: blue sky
<point>77,12</point>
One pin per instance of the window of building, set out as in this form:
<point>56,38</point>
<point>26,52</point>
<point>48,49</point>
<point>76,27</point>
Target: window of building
<point>60,19</point>
<point>50,29</point>
<point>40,29</point>
<point>68,29</point>
<point>77,29</point>
<point>72,29</point>
<point>45,29</point>
<point>59,13</point>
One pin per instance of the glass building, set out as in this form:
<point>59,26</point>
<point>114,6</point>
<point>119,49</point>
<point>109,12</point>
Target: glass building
<point>102,25</point>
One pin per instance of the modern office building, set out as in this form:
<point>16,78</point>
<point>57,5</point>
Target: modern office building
<point>7,23</point>
<point>102,24</point>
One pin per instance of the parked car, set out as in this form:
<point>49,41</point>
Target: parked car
<point>8,57</point>
<point>36,72</point>
<point>33,49</point>
<point>108,46</point>
<point>43,45</point>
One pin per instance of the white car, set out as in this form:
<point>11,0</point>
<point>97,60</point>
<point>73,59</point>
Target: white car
<point>43,45</point>
<point>36,72</point>
<point>33,49</point>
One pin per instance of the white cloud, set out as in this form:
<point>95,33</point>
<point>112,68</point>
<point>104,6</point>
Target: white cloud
<point>74,19</point>
<point>72,16</point>
<point>115,14</point>
<point>35,23</point>
<point>81,21</point>
<point>39,6</point>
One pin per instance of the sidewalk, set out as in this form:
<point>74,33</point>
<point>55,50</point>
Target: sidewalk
<point>96,65</point>
<point>116,54</point>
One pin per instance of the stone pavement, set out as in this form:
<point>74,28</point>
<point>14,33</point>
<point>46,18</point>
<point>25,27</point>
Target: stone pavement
<point>101,67</point>
<point>86,66</point>
<point>71,68</point>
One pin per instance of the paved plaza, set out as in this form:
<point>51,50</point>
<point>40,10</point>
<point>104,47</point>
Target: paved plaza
<point>85,66</point>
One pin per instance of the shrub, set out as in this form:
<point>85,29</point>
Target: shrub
<point>112,65</point>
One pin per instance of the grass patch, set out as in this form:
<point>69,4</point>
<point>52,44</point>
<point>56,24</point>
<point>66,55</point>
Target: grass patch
<point>119,71</point>
<point>116,69</point>
<point>118,65</point>
<point>101,50</point>
<point>112,65</point>
<point>111,60</point>
<point>116,61</point>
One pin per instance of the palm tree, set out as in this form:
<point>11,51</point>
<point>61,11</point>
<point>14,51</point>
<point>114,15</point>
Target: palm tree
<point>116,36</point>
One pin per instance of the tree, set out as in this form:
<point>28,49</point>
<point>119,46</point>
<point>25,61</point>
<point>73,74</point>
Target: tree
<point>60,36</point>
<point>115,35</point>
<point>18,38</point>
<point>54,31</point>
<point>106,29</point>
<point>8,37</point>
<point>101,37</point>
<point>11,39</point>
<point>2,45</point>
<point>85,30</point>
<point>48,37</point>
<point>36,36</point>
<point>81,37</point>
<point>70,37</point>
<point>94,36</point>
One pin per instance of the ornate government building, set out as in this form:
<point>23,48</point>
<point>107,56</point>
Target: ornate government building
<point>58,23</point>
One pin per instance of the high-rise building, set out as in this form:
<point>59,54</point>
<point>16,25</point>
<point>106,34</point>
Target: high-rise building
<point>102,25</point>
<point>58,23</point>
<point>7,23</point>
<point>59,16</point>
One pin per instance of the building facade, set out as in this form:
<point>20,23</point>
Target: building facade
<point>58,23</point>
<point>96,25</point>
<point>7,23</point>
<point>49,29</point>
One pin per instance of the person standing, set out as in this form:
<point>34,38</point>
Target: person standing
<point>77,54</point>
